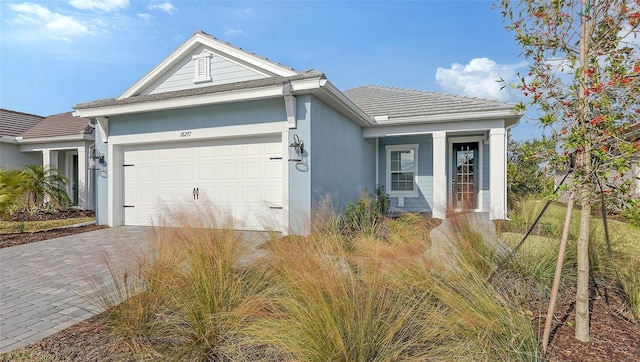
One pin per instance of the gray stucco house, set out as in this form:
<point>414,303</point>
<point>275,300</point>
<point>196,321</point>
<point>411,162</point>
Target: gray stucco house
<point>61,141</point>
<point>217,121</point>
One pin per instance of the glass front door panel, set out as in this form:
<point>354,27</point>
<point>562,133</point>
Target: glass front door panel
<point>465,178</point>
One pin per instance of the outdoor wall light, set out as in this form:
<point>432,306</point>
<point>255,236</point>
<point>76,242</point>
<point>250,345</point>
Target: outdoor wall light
<point>297,149</point>
<point>95,159</point>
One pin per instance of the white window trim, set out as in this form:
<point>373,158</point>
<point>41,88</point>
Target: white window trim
<point>407,147</point>
<point>206,58</point>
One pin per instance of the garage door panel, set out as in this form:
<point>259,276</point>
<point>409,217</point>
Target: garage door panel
<point>227,171</point>
<point>206,171</point>
<point>185,173</point>
<point>236,175</point>
<point>251,170</point>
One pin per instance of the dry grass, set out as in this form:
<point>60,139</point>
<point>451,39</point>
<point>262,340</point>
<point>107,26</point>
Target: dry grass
<point>321,297</point>
<point>9,227</point>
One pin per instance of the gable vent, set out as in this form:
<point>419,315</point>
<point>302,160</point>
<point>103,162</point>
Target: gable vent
<point>202,67</point>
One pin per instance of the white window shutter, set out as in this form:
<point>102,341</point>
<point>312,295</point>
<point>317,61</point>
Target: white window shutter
<point>202,67</point>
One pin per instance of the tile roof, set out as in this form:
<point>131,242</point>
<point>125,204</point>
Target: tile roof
<point>400,103</point>
<point>63,124</point>
<point>220,88</point>
<point>14,123</point>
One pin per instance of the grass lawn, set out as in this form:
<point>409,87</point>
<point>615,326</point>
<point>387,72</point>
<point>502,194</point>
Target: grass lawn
<point>9,227</point>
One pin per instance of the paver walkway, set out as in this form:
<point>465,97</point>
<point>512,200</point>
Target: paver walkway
<point>46,286</point>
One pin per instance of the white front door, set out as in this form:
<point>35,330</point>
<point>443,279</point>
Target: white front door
<point>241,176</point>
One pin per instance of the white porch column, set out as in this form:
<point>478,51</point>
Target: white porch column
<point>498,173</point>
<point>49,159</point>
<point>83,184</point>
<point>439,207</point>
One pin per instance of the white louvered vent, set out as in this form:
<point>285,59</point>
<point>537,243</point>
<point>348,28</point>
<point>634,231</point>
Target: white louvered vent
<point>202,67</point>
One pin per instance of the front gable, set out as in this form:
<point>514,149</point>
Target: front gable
<point>204,61</point>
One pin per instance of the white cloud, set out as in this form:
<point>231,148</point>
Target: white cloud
<point>101,5</point>
<point>51,24</point>
<point>165,6</point>
<point>479,78</point>
<point>232,32</point>
<point>145,16</point>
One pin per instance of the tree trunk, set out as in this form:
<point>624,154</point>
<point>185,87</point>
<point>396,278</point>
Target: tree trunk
<point>558,274</point>
<point>582,287</point>
<point>584,179</point>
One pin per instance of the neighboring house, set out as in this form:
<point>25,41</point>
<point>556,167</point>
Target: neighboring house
<point>12,125</point>
<point>61,141</point>
<point>266,142</point>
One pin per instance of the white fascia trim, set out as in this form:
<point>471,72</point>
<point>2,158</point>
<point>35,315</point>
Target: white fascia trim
<point>244,56</point>
<point>506,115</point>
<point>8,139</point>
<point>190,45</point>
<point>187,135</point>
<point>78,137</point>
<point>427,128</point>
<point>58,146</point>
<point>199,100</point>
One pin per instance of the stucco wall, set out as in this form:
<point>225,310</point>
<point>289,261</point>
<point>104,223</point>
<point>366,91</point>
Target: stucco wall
<point>229,114</point>
<point>343,161</point>
<point>12,158</point>
<point>300,172</point>
<point>423,202</point>
<point>100,178</point>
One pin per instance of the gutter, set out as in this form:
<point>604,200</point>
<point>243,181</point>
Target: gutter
<point>79,137</point>
<point>449,117</point>
<point>8,139</point>
<point>318,86</point>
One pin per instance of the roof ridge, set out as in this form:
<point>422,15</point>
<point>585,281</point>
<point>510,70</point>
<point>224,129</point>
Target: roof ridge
<point>23,113</point>
<point>58,114</point>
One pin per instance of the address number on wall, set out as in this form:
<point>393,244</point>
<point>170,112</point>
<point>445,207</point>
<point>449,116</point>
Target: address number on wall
<point>185,134</point>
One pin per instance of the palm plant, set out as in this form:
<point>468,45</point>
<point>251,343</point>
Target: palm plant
<point>11,191</point>
<point>44,186</point>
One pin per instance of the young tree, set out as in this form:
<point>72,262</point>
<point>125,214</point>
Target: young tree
<point>44,186</point>
<point>584,78</point>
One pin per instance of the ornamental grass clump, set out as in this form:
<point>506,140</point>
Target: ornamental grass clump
<point>336,305</point>
<point>478,313</point>
<point>321,297</point>
<point>195,302</point>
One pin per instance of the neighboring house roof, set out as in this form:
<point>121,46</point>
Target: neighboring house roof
<point>63,124</point>
<point>386,103</point>
<point>14,123</point>
<point>221,88</point>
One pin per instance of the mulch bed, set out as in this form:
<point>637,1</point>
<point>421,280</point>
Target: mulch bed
<point>612,336</point>
<point>7,240</point>
<point>46,216</point>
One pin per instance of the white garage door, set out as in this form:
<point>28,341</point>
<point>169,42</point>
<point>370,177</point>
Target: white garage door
<point>240,176</point>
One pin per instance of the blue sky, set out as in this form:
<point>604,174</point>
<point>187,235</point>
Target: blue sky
<point>55,54</point>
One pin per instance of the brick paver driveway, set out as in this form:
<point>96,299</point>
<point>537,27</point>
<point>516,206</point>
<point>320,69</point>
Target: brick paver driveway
<point>46,286</point>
